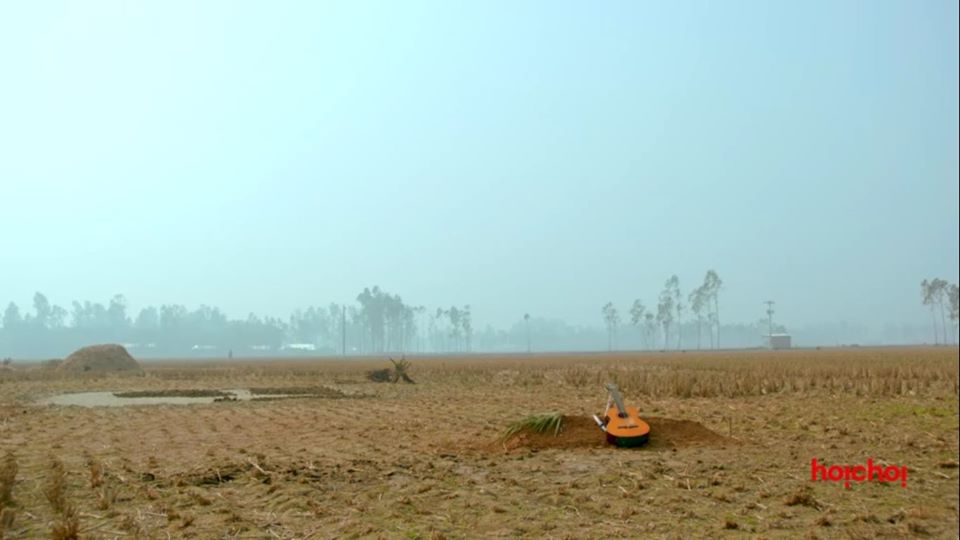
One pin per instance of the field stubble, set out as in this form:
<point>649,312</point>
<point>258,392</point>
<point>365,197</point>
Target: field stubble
<point>738,431</point>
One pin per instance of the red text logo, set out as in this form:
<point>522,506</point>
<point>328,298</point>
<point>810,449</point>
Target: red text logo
<point>857,473</point>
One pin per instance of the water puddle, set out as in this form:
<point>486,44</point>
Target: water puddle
<point>122,399</point>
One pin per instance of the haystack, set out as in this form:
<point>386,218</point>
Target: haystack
<point>100,359</point>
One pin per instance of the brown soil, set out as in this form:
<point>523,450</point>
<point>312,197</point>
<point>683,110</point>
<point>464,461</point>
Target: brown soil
<point>100,359</point>
<point>582,432</point>
<point>409,462</point>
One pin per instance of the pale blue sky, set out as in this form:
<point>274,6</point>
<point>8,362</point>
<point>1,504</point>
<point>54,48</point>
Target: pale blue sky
<point>518,156</point>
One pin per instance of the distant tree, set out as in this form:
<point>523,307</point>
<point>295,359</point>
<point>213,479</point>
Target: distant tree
<point>421,328</point>
<point>455,316</point>
<point>147,325</point>
<point>637,312</point>
<point>438,333</point>
<point>11,317</point>
<point>673,285</point>
<point>665,315</point>
<point>650,326</point>
<point>711,287</point>
<point>928,293</point>
<point>467,324</point>
<point>42,311</point>
<point>953,296</point>
<point>939,287</point>
<point>612,319</point>
<point>117,314</point>
<point>698,300</point>
<point>57,317</point>
<point>526,325</point>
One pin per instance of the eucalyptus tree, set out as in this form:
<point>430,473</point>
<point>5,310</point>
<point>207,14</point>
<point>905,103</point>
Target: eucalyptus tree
<point>650,328</point>
<point>712,285</point>
<point>698,299</point>
<point>928,293</point>
<point>637,312</point>
<point>939,294</point>
<point>612,319</point>
<point>673,285</point>
<point>665,314</point>
<point>953,295</point>
<point>455,316</point>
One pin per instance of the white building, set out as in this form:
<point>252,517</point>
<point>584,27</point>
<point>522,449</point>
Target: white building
<point>778,341</point>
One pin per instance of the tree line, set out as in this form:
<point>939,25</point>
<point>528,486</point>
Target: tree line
<point>663,327</point>
<point>942,298</point>
<point>378,322</point>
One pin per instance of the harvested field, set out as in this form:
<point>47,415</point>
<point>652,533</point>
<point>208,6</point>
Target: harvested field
<point>732,437</point>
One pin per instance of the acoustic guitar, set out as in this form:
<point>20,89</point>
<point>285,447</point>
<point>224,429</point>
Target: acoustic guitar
<point>622,424</point>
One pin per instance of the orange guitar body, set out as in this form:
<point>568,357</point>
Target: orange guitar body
<point>625,430</point>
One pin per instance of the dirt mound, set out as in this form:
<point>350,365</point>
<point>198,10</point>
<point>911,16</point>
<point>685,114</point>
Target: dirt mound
<point>100,359</point>
<point>582,432</point>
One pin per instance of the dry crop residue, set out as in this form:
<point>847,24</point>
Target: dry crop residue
<point>404,462</point>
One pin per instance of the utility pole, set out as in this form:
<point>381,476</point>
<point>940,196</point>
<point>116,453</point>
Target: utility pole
<point>770,304</point>
<point>343,330</point>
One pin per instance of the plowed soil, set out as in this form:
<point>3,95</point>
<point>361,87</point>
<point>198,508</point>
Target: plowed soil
<point>732,438</point>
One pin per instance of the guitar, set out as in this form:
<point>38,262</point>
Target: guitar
<point>622,424</point>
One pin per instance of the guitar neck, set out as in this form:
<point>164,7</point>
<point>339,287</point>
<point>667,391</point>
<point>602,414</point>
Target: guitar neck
<point>617,398</point>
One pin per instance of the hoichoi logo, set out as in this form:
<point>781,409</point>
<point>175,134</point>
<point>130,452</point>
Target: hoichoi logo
<point>870,472</point>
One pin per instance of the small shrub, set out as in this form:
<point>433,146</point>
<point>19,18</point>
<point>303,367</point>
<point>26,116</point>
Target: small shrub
<point>536,423</point>
<point>395,375</point>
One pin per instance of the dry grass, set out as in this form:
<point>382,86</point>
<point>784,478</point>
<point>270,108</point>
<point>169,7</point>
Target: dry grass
<point>422,460</point>
<point>8,476</point>
<point>66,524</point>
<point>536,423</point>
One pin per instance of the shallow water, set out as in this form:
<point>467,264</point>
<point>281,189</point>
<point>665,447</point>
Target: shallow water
<point>107,399</point>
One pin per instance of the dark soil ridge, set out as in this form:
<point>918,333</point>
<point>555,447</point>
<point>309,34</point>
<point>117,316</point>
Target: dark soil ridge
<point>172,393</point>
<point>299,391</point>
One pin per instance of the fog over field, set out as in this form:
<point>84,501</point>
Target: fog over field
<point>227,167</point>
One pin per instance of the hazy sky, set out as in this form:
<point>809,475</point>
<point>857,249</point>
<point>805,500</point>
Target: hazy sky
<point>518,156</point>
